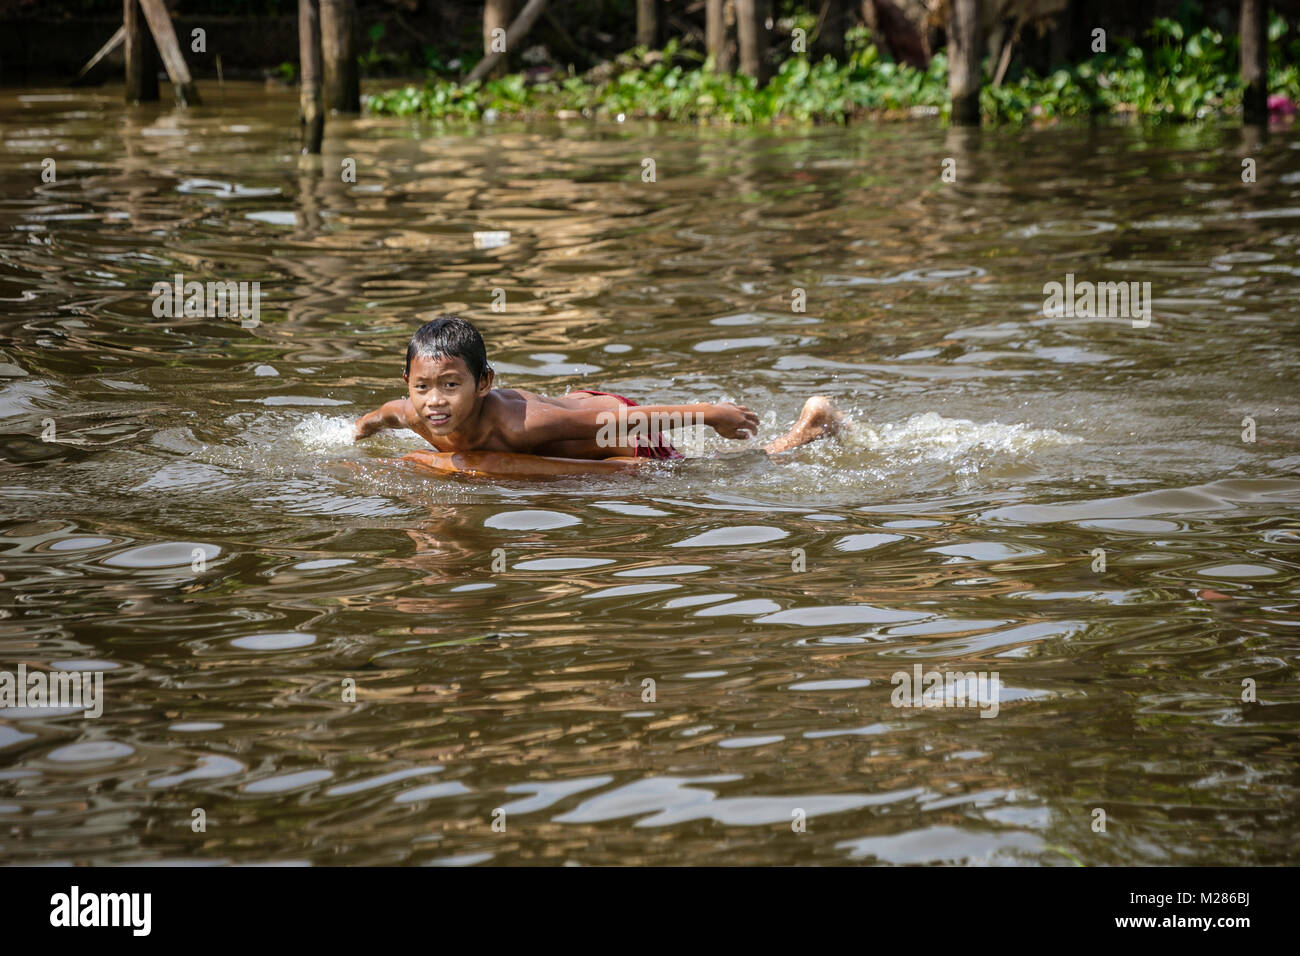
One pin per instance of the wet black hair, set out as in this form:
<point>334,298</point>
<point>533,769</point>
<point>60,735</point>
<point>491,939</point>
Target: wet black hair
<point>450,335</point>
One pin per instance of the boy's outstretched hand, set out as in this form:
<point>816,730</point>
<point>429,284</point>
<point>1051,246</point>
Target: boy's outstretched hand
<point>732,421</point>
<point>389,415</point>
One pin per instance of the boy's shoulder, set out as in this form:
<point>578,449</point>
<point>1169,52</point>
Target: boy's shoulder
<point>514,410</point>
<point>514,398</point>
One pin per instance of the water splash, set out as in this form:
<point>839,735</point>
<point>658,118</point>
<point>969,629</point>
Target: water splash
<point>935,438</point>
<point>923,454</point>
<point>319,432</point>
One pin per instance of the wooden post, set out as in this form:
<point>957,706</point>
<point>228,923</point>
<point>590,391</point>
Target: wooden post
<point>964,56</point>
<point>310,111</point>
<point>141,74</point>
<point>113,42</point>
<point>164,35</point>
<point>518,30</point>
<point>752,32</point>
<point>1004,61</point>
<point>496,16</point>
<point>1254,60</point>
<point>720,45</point>
<point>338,20</point>
<point>647,23</point>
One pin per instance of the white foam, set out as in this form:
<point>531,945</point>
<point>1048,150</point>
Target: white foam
<point>936,438</point>
<point>319,432</point>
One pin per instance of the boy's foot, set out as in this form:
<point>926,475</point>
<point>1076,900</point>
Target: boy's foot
<point>818,418</point>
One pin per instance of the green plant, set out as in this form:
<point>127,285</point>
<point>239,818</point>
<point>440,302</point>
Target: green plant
<point>1181,72</point>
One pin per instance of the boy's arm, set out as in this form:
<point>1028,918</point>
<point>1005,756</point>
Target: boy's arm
<point>392,414</point>
<point>547,423</point>
<point>725,418</point>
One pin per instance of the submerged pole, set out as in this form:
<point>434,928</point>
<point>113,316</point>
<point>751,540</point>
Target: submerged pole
<point>164,36</point>
<point>964,61</point>
<point>311,114</point>
<point>141,74</point>
<point>342,90</point>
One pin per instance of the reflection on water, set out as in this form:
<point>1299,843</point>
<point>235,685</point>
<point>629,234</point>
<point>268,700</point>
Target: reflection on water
<point>342,659</point>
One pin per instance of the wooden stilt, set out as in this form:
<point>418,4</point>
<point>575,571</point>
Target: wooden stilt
<point>112,44</point>
<point>164,35</point>
<point>964,55</point>
<point>338,20</point>
<point>1254,60</point>
<point>141,74</point>
<point>1004,61</point>
<point>496,16</point>
<point>752,34</point>
<point>311,112</point>
<point>518,30</point>
<point>719,44</point>
<point>647,23</point>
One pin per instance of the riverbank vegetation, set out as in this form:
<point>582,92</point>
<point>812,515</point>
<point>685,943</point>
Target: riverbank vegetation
<point>1177,70</point>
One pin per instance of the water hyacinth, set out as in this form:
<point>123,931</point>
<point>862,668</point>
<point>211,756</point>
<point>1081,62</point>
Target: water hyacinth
<point>1172,73</point>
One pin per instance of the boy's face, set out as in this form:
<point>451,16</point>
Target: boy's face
<point>443,391</point>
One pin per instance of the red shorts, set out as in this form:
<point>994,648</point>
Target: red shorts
<point>659,446</point>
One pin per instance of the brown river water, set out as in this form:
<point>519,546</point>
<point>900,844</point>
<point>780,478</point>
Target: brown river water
<point>339,659</point>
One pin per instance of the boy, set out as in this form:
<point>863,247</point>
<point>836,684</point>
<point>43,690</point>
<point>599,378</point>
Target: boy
<point>452,405</point>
